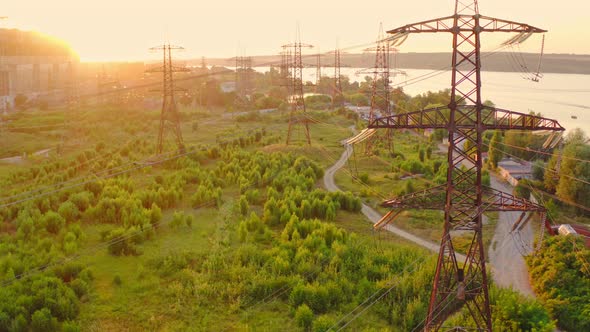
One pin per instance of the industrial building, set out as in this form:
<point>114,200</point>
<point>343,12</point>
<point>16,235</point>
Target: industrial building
<point>36,66</point>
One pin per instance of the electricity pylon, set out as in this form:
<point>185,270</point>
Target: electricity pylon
<point>243,82</point>
<point>337,97</point>
<point>463,282</point>
<point>169,118</point>
<point>380,88</point>
<point>298,114</point>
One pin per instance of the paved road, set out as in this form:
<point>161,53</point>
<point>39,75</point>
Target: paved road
<point>505,252</point>
<point>508,266</point>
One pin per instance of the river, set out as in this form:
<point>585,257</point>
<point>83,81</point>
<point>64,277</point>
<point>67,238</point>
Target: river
<point>557,96</point>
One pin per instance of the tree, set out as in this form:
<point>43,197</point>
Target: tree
<point>495,153</point>
<point>331,212</point>
<point>69,211</point>
<point>538,170</point>
<point>428,151</point>
<point>53,222</point>
<point>322,324</point>
<point>523,189</point>
<point>304,317</point>
<point>572,173</point>
<point>177,219</point>
<point>42,321</point>
<point>359,99</point>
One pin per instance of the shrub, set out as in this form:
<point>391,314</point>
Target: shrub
<point>304,317</point>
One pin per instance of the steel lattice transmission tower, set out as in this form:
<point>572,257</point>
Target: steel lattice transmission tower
<point>380,88</point>
<point>243,81</point>
<point>463,281</point>
<point>298,114</point>
<point>337,97</point>
<point>169,118</point>
<point>285,68</point>
<point>318,71</point>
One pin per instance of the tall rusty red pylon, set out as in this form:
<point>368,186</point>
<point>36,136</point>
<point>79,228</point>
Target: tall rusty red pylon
<point>458,281</point>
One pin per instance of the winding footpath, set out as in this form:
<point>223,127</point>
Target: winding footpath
<point>368,211</point>
<point>507,263</point>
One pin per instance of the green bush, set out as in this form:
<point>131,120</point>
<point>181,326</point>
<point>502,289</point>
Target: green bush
<point>304,317</point>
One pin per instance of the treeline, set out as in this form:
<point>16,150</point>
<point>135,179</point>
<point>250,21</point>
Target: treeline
<point>563,174</point>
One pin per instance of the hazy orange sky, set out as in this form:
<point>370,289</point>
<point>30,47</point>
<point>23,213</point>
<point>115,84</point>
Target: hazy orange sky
<point>125,29</point>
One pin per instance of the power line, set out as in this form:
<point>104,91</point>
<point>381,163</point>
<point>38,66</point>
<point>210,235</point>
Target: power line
<point>546,169</point>
<point>95,248</point>
<point>393,283</point>
<point>542,152</point>
<point>100,157</point>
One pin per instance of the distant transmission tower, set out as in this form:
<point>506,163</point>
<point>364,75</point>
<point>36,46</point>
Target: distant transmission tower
<point>169,118</point>
<point>337,96</point>
<point>298,114</point>
<point>463,281</point>
<point>243,81</point>
<point>71,87</point>
<point>285,71</point>
<point>380,89</point>
<point>318,71</point>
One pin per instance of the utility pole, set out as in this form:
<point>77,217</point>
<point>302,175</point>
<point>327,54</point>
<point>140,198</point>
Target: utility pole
<point>169,118</point>
<point>298,114</point>
<point>463,282</point>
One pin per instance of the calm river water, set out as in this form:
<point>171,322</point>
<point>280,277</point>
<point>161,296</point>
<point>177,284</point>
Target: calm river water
<point>557,96</point>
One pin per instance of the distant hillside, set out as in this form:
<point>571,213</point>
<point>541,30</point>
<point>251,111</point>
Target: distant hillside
<point>502,62</point>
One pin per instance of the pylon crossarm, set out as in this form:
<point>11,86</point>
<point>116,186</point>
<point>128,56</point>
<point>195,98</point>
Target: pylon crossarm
<point>431,198</point>
<point>492,24</point>
<point>465,23</point>
<point>434,199</point>
<point>496,200</point>
<point>424,119</point>
<point>500,119</point>
<point>443,24</point>
<point>466,117</point>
